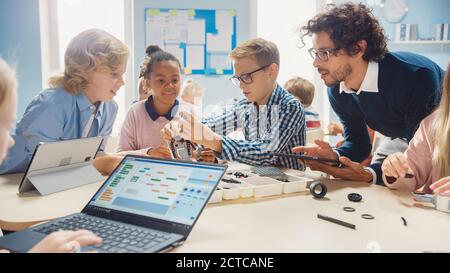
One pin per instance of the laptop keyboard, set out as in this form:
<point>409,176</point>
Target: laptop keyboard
<point>117,238</point>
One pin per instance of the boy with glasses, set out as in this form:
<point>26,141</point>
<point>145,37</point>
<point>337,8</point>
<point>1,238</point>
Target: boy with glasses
<point>368,86</point>
<point>271,119</point>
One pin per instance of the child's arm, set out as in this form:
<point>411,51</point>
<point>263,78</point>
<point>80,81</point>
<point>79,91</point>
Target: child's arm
<point>43,121</point>
<point>128,135</point>
<point>416,160</point>
<point>260,152</point>
<point>226,122</point>
<point>291,122</point>
<point>107,163</point>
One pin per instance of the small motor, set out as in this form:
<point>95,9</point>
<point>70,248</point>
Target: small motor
<point>184,149</point>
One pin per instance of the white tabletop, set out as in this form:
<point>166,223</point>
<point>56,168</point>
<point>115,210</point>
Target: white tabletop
<point>290,224</point>
<point>285,223</point>
<point>19,212</point>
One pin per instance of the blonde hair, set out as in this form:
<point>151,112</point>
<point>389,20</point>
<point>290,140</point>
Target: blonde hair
<point>191,89</point>
<point>263,51</point>
<point>441,152</point>
<point>89,51</point>
<point>8,83</point>
<point>302,89</point>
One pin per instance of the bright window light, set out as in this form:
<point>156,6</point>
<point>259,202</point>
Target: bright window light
<point>75,16</point>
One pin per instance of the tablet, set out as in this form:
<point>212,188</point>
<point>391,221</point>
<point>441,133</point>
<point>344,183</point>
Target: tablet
<point>312,158</point>
<point>59,156</point>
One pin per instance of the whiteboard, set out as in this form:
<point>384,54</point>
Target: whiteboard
<point>200,39</point>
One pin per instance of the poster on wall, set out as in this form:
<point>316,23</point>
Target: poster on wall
<point>200,39</point>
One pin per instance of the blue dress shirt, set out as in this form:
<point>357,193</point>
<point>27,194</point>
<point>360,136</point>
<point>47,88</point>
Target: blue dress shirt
<point>56,115</point>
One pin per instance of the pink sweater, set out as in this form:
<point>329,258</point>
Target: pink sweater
<point>139,132</point>
<point>419,156</point>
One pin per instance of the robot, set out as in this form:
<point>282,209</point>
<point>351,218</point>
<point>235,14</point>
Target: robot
<point>184,149</point>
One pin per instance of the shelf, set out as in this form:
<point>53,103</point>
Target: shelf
<point>419,42</point>
<point>420,46</point>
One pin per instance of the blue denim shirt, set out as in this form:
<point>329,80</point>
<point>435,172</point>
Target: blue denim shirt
<point>56,115</point>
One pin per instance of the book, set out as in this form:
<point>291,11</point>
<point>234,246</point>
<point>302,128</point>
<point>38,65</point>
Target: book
<point>403,32</point>
<point>445,34</point>
<point>408,32</point>
<point>438,32</point>
<point>414,33</point>
<point>398,28</point>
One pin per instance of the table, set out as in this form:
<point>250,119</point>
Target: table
<point>285,223</point>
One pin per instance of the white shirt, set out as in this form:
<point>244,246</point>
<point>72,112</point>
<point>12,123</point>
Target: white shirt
<point>369,84</point>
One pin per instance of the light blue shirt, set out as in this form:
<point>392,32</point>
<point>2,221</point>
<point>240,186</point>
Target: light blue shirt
<point>56,115</point>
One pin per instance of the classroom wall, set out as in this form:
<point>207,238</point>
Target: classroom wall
<point>20,45</point>
<point>218,88</point>
<point>295,60</point>
<point>426,14</point>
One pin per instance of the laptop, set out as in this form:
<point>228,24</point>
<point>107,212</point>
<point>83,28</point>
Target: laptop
<point>61,165</point>
<point>146,205</point>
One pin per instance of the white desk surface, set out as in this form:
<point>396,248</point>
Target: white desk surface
<point>285,223</point>
<point>17,212</point>
<point>290,224</point>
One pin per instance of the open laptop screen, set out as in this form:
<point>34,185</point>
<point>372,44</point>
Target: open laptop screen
<point>168,190</point>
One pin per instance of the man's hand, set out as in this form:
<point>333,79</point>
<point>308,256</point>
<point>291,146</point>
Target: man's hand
<point>322,149</point>
<point>350,170</point>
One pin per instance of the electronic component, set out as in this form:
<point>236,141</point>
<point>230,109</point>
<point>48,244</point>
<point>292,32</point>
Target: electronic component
<point>349,209</point>
<point>318,190</point>
<point>367,216</point>
<point>268,171</point>
<point>354,197</point>
<point>184,150</point>
<point>336,221</point>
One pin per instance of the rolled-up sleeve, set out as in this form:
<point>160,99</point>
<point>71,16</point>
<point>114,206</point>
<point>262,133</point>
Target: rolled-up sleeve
<point>290,121</point>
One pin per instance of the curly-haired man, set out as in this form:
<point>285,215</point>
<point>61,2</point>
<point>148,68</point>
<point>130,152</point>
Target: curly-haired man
<point>368,86</point>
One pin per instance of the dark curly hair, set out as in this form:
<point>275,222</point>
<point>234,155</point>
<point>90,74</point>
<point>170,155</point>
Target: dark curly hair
<point>347,24</point>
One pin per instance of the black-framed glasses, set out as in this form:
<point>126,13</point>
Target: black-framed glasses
<point>246,77</point>
<point>322,54</point>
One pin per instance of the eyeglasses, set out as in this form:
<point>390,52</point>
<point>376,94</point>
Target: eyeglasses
<point>322,54</point>
<point>246,77</point>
